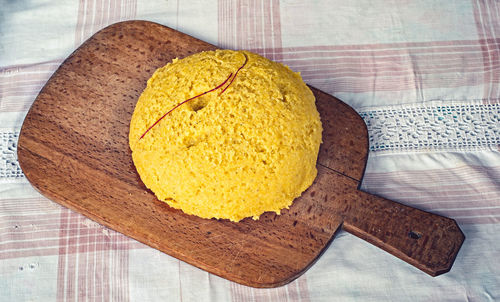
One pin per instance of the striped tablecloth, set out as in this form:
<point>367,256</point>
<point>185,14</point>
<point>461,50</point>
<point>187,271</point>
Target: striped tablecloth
<point>424,75</point>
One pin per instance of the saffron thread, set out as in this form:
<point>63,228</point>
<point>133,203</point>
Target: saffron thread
<point>201,94</point>
<point>194,97</point>
<point>246,60</point>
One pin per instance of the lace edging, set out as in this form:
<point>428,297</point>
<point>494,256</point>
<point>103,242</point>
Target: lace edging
<point>10,171</point>
<point>458,127</point>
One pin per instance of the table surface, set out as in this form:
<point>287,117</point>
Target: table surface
<point>425,77</point>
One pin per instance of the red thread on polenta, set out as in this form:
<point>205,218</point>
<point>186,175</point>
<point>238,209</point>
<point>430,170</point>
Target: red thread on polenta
<point>246,60</point>
<point>183,102</point>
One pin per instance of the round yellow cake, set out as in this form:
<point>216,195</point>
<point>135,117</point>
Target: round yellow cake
<point>247,146</point>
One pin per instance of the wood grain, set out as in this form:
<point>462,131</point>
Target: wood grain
<point>73,148</point>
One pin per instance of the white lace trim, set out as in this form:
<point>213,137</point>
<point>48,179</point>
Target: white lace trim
<point>437,127</point>
<point>464,127</point>
<point>9,166</point>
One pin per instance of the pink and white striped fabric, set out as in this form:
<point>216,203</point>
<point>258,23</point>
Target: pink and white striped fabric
<point>424,75</point>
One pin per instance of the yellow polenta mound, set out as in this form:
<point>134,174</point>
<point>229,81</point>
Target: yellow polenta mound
<point>233,155</point>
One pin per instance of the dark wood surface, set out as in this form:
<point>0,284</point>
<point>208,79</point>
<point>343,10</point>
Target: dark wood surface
<point>73,148</point>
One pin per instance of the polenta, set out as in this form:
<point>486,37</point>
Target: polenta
<point>241,149</point>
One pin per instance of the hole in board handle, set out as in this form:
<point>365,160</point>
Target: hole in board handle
<point>414,235</point>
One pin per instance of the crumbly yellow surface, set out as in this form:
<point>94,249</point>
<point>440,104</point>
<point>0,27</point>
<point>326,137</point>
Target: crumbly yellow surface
<point>247,151</point>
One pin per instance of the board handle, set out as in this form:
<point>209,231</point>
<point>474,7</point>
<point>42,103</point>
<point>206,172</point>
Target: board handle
<point>428,241</point>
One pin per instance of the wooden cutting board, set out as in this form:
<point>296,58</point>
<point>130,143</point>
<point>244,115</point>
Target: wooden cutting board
<point>73,148</point>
